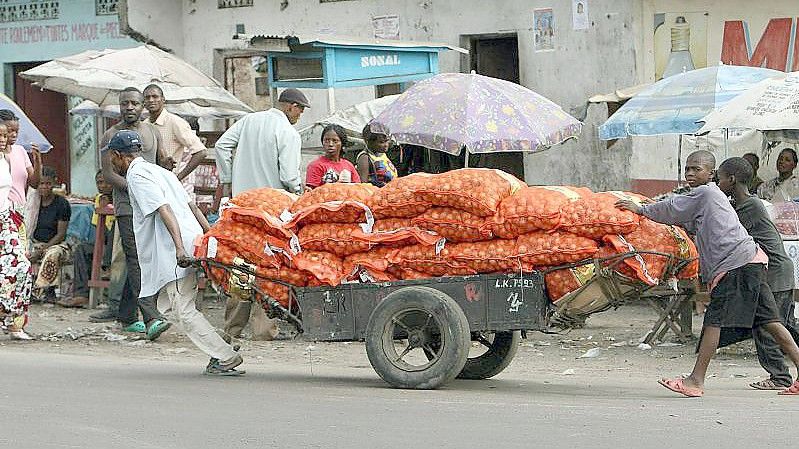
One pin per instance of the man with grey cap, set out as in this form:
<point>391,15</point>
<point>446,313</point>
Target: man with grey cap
<point>267,148</point>
<point>166,223</point>
<point>267,154</point>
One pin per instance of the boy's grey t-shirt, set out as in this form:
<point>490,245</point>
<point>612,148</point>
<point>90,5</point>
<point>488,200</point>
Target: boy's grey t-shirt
<point>705,211</point>
<point>755,220</point>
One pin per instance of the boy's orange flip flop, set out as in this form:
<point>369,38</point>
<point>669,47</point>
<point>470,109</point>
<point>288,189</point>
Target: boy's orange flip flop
<point>793,390</point>
<point>677,386</point>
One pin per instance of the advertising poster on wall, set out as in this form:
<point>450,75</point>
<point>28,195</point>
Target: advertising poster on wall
<point>680,42</point>
<point>386,27</point>
<point>580,14</point>
<point>543,29</point>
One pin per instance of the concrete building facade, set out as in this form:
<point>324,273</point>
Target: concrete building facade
<point>36,31</point>
<point>566,50</point>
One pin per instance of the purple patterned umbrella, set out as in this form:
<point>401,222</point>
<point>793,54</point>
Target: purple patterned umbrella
<point>451,111</point>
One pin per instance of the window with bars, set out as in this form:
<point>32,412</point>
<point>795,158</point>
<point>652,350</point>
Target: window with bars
<point>105,7</point>
<point>221,4</point>
<point>24,10</point>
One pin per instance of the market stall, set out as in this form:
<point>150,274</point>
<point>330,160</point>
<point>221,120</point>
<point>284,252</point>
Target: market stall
<point>330,62</point>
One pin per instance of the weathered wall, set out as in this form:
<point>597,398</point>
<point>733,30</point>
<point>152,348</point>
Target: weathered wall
<point>582,63</point>
<point>70,27</point>
<point>761,35</point>
<point>76,28</point>
<point>157,20</point>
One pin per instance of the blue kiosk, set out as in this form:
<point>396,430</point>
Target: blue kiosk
<point>328,62</point>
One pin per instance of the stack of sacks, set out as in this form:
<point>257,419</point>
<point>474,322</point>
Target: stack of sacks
<point>462,222</point>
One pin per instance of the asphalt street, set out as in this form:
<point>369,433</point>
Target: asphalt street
<point>55,400</point>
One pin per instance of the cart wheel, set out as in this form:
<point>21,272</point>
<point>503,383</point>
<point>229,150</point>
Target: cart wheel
<point>417,337</point>
<point>499,349</point>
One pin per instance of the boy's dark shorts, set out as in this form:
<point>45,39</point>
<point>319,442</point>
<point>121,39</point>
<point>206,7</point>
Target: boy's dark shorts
<point>742,299</point>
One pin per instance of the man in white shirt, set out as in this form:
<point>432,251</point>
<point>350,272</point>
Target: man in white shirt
<point>165,223</point>
<point>267,151</point>
<point>180,143</point>
<point>267,148</point>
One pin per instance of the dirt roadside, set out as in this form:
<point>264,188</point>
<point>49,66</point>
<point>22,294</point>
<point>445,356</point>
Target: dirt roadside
<point>608,344</point>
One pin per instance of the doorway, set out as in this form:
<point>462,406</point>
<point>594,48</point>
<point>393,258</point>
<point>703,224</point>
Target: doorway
<point>497,56</point>
<point>48,110</point>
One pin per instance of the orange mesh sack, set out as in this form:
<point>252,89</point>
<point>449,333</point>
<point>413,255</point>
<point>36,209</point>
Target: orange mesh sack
<point>263,222</point>
<point>391,224</point>
<point>377,259</point>
<point>325,268</point>
<point>424,259</point>
<point>271,201</point>
<point>375,262</point>
<point>562,282</point>
<point>398,198</point>
<point>475,190</point>
<point>249,242</point>
<point>534,208</point>
<point>335,238</point>
<point>617,265</point>
<point>454,224</point>
<point>351,198</point>
<point>408,274</point>
<point>288,275</point>
<point>278,292</point>
<point>491,256</point>
<point>543,249</point>
<point>595,216</point>
<point>652,236</point>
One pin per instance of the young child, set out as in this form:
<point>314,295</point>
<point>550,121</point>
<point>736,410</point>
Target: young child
<point>373,164</point>
<point>734,177</point>
<point>733,266</point>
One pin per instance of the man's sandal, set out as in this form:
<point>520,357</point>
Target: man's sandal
<point>678,386</point>
<point>793,390</point>
<point>767,384</point>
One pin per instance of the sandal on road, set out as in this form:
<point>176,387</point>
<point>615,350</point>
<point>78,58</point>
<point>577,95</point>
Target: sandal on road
<point>135,327</point>
<point>678,386</point>
<point>793,390</point>
<point>157,328</point>
<point>768,384</point>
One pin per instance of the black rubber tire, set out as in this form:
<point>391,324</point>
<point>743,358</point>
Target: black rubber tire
<point>495,360</point>
<point>451,344</point>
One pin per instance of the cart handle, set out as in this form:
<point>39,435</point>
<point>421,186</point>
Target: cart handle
<point>206,264</point>
<point>674,265</point>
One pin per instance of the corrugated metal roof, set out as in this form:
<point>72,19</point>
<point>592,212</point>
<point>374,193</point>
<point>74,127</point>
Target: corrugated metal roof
<point>352,41</point>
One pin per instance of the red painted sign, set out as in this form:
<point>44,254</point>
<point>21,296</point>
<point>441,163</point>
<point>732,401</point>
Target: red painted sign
<point>771,51</point>
<point>82,32</point>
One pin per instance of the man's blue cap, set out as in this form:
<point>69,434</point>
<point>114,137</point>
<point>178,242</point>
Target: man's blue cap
<point>125,141</point>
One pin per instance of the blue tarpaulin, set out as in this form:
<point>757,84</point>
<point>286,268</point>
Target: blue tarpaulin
<point>673,105</point>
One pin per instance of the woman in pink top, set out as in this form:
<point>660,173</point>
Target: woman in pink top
<point>23,172</point>
<point>16,278</point>
<point>331,167</point>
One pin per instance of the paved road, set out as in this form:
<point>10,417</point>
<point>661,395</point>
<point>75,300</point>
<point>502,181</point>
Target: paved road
<point>79,401</point>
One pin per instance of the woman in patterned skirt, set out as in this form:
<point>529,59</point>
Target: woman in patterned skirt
<point>15,269</point>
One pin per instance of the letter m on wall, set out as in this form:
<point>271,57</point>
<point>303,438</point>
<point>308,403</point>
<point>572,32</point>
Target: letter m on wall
<point>772,50</point>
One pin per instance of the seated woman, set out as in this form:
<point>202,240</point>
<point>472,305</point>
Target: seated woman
<point>331,167</point>
<point>48,247</point>
<point>373,163</point>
